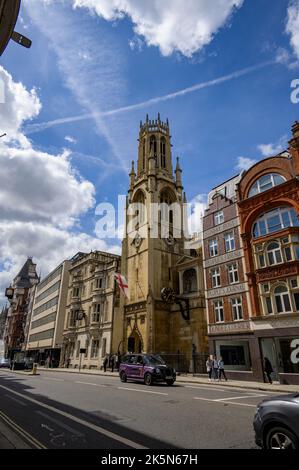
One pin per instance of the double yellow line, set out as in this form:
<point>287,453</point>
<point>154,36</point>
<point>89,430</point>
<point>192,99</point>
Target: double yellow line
<point>30,439</point>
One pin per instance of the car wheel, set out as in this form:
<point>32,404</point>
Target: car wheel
<point>170,382</point>
<point>281,438</point>
<point>123,376</point>
<point>148,380</point>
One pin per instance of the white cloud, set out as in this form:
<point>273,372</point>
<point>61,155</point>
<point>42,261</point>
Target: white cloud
<point>269,150</point>
<point>70,139</point>
<point>196,209</point>
<point>42,196</point>
<point>244,163</point>
<point>19,105</point>
<point>292,27</point>
<point>185,26</point>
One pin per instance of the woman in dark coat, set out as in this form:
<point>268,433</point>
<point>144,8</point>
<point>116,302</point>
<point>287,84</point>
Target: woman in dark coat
<point>268,369</point>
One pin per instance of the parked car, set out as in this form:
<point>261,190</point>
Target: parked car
<point>4,363</point>
<point>147,368</point>
<point>276,423</point>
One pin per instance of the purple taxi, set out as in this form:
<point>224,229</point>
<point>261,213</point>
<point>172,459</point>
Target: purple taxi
<point>147,368</point>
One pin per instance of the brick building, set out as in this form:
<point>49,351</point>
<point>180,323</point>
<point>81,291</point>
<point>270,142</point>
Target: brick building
<point>19,294</point>
<point>265,324</point>
<point>227,291</point>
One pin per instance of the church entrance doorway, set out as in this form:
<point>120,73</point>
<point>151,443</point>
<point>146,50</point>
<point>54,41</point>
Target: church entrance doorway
<point>134,343</point>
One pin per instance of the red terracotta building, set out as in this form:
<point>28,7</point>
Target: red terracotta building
<point>267,208</point>
<point>19,294</point>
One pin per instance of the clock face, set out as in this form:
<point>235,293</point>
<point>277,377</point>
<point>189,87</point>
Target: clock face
<point>137,240</point>
<point>170,240</point>
<point>80,315</point>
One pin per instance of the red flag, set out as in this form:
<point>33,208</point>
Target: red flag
<point>122,284</point>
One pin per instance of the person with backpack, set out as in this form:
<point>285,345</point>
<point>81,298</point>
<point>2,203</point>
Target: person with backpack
<point>221,370</point>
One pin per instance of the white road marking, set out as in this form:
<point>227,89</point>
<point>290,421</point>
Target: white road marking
<point>90,383</point>
<point>207,388</point>
<point>142,391</point>
<point>94,427</point>
<point>224,403</point>
<point>29,438</point>
<point>60,424</point>
<point>52,378</point>
<point>240,398</point>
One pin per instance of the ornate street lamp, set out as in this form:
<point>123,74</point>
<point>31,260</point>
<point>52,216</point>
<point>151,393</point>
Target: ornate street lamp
<point>9,293</point>
<point>9,12</point>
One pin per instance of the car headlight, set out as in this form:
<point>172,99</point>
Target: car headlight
<point>157,371</point>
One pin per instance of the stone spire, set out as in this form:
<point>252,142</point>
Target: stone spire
<point>132,178</point>
<point>178,176</point>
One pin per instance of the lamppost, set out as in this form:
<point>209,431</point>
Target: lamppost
<point>9,12</point>
<point>3,135</point>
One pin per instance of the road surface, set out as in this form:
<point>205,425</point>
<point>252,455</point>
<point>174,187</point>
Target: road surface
<point>75,411</point>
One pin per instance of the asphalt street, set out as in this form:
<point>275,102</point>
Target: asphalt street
<point>72,411</point>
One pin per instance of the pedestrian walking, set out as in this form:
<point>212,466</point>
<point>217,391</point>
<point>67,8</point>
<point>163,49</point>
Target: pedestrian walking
<point>221,370</point>
<point>215,368</point>
<point>268,369</point>
<point>68,361</point>
<point>209,366</point>
<point>105,363</point>
<point>112,363</point>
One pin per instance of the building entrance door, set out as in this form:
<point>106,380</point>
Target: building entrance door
<point>268,349</point>
<point>134,343</point>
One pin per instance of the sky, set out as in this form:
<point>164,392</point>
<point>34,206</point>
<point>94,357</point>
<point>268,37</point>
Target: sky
<point>220,71</point>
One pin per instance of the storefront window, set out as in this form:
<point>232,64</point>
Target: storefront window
<point>235,354</point>
<point>286,364</point>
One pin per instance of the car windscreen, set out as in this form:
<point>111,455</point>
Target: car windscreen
<point>154,360</point>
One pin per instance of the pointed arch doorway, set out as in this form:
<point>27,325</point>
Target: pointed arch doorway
<point>134,342</point>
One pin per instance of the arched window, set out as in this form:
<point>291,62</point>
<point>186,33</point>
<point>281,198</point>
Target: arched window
<point>190,281</point>
<point>273,221</point>
<point>282,299</point>
<point>266,182</point>
<point>163,152</point>
<point>166,199</point>
<point>153,145</point>
<point>139,200</point>
<point>274,253</point>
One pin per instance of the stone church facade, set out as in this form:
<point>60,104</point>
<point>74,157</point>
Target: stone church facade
<point>155,256</point>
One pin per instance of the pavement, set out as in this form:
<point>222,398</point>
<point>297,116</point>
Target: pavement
<point>190,378</point>
<point>72,410</point>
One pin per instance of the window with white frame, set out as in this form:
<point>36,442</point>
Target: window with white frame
<point>219,312</point>
<point>274,221</point>
<point>219,218</point>
<point>213,246</point>
<point>233,276</point>
<point>216,277</point>
<point>282,299</point>
<point>265,182</point>
<point>237,309</point>
<point>96,316</point>
<point>95,347</point>
<point>229,242</point>
<point>274,253</point>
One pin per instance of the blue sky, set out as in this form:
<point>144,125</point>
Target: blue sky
<point>86,61</point>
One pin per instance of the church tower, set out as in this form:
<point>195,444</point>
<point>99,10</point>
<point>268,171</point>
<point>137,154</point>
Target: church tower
<point>154,241</point>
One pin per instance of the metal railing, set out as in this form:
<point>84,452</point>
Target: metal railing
<point>186,363</point>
